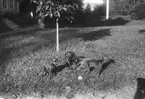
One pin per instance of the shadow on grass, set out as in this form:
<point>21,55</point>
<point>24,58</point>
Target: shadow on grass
<point>95,35</point>
<point>17,33</point>
<point>67,31</point>
<point>106,65</point>
<point>115,22</point>
<point>4,54</point>
<point>58,69</point>
<point>87,35</point>
<point>9,52</point>
<point>5,41</point>
<point>140,92</point>
<point>142,32</point>
<point>110,22</point>
<point>3,27</point>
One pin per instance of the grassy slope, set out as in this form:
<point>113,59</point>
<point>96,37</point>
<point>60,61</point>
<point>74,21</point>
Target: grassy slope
<point>24,54</point>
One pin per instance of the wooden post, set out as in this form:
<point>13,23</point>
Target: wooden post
<point>57,35</point>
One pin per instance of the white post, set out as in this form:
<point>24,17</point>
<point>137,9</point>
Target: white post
<point>107,9</point>
<point>57,36</point>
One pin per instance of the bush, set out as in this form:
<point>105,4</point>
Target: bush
<point>139,12</point>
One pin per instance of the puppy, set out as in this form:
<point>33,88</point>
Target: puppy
<point>52,68</point>
<point>88,63</point>
<point>71,59</point>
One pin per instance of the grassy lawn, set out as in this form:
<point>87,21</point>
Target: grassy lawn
<point>24,54</point>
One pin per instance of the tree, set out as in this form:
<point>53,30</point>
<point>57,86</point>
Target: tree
<point>98,12</point>
<point>123,7</point>
<point>93,17</point>
<point>87,14</point>
<point>139,12</point>
<point>115,7</point>
<point>79,13</point>
<point>56,9</point>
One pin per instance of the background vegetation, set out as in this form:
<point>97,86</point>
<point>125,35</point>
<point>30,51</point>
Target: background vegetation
<point>134,9</point>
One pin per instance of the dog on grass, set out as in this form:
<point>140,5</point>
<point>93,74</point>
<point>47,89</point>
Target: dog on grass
<point>52,68</point>
<point>76,63</point>
<point>71,60</point>
<point>103,62</point>
<point>87,63</point>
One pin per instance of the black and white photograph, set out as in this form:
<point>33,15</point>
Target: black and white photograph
<point>72,49</point>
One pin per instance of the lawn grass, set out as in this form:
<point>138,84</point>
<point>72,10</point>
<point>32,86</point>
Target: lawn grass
<point>25,54</point>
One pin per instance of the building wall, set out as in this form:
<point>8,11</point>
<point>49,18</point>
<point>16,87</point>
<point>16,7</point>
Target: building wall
<point>9,6</point>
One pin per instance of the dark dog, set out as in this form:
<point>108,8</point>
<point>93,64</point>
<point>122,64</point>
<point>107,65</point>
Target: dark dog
<point>55,67</point>
<point>52,68</point>
<point>71,59</point>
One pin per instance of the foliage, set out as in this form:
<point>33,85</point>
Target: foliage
<point>94,17</point>
<point>119,7</point>
<point>139,12</point>
<point>98,12</point>
<point>87,14</point>
<point>79,13</point>
<point>55,8</point>
<point>127,7</point>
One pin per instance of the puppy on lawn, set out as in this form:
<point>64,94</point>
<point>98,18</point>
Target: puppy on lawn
<point>71,59</point>
<point>52,68</point>
<point>89,63</point>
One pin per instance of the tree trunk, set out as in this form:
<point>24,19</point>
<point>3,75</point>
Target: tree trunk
<point>40,23</point>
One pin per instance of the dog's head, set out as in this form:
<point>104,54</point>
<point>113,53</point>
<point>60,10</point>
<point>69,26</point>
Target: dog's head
<point>70,56</point>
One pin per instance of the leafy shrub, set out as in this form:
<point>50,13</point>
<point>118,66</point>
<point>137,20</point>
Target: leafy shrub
<point>139,12</point>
